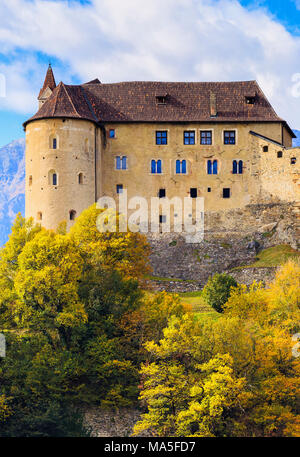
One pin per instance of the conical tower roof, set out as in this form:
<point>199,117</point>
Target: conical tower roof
<point>49,81</point>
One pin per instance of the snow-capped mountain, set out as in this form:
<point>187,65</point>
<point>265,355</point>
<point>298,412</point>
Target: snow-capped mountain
<point>12,185</point>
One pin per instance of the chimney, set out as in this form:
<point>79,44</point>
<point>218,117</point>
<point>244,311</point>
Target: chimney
<point>213,105</point>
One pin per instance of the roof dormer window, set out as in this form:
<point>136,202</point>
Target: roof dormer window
<point>161,99</point>
<point>250,99</point>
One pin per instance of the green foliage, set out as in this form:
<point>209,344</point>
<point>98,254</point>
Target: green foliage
<point>217,290</point>
<point>234,376</point>
<point>75,320</point>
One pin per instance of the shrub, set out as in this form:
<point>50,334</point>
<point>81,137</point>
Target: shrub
<point>217,290</point>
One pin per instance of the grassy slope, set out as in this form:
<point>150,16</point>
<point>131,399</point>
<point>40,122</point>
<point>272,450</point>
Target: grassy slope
<point>273,257</point>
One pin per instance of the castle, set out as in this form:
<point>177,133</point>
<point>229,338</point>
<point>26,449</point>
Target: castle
<point>219,140</point>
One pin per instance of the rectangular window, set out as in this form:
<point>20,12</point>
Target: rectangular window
<point>229,137</point>
<point>112,133</point>
<point>54,143</point>
<point>206,137</point>
<point>119,188</point>
<point>193,192</point>
<point>226,193</point>
<point>162,137</point>
<point>162,193</point>
<point>121,163</point>
<point>189,137</point>
<point>209,189</point>
<point>162,219</point>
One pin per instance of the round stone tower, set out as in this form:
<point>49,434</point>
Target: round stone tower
<point>61,155</point>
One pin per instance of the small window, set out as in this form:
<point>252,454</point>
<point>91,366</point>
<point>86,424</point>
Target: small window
<point>162,219</point>
<point>229,137</point>
<point>279,154</point>
<point>212,167</point>
<point>54,143</point>
<point>206,137</point>
<point>39,216</point>
<point>266,148</point>
<point>180,167</point>
<point>161,99</point>
<point>237,167</point>
<point>250,100</point>
<point>293,160</point>
<point>121,163</point>
<point>189,137</point>
<point>72,215</point>
<point>162,137</point>
<point>112,133</point>
<point>119,188</point>
<point>226,193</point>
<point>162,193</point>
<point>30,180</point>
<point>80,178</point>
<point>52,178</point>
<point>193,192</point>
<point>156,166</point>
<point>209,189</point>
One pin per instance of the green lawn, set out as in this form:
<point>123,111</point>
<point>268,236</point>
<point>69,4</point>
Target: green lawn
<point>198,304</point>
<point>273,257</point>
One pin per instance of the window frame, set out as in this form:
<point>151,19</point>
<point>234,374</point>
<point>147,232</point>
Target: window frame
<point>156,167</point>
<point>118,188</point>
<point>189,132</point>
<point>206,131</point>
<point>157,137</point>
<point>114,134</point>
<point>181,162</point>
<point>235,137</point>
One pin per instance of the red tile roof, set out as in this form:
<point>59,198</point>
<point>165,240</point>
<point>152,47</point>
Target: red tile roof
<point>49,81</point>
<point>137,102</point>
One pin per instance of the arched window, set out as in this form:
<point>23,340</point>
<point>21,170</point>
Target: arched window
<point>156,166</point>
<point>180,167</point>
<point>153,166</point>
<point>240,167</point>
<point>80,178</point>
<point>234,167</point>
<point>159,169</point>
<point>30,180</point>
<point>215,167</point>
<point>72,215</point>
<point>53,178</point>
<point>121,162</point>
<point>39,216</point>
<point>209,167</point>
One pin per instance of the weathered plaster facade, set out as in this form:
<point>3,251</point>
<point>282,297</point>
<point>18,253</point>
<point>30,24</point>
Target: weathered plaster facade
<point>84,161</point>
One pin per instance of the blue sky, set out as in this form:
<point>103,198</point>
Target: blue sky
<point>175,40</point>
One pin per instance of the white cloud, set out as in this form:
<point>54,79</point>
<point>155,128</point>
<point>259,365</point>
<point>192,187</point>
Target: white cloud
<point>155,40</point>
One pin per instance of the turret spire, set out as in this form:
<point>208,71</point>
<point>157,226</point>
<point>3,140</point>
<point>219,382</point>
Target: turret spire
<point>48,87</point>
